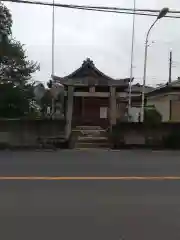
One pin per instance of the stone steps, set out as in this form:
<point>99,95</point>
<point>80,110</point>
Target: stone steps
<point>89,128</point>
<point>91,145</point>
<point>90,137</point>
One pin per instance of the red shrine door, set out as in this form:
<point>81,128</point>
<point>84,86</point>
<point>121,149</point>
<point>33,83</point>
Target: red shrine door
<point>91,111</point>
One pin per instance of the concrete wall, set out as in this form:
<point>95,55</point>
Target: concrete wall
<point>162,104</point>
<point>175,111</point>
<point>23,133</point>
<point>126,134</point>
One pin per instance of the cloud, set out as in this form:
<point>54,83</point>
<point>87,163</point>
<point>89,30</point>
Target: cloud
<point>104,37</point>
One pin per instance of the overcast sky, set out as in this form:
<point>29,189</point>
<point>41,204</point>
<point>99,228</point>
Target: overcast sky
<point>104,37</point>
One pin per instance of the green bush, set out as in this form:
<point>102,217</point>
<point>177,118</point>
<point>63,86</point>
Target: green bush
<point>152,116</point>
<point>4,146</point>
<point>172,140</point>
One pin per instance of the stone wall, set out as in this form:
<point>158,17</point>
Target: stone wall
<point>26,133</point>
<point>161,135</point>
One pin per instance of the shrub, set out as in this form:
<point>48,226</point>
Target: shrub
<point>172,140</point>
<point>152,116</point>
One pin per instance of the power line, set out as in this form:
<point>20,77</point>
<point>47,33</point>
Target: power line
<point>89,6</point>
<point>124,12</point>
<point>99,9</point>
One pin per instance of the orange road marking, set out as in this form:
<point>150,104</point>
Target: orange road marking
<point>125,178</point>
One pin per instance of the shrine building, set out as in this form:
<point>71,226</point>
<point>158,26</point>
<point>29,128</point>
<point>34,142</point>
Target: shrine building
<point>93,98</point>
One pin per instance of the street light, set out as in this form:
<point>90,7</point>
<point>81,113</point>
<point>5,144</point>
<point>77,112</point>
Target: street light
<point>132,58</point>
<point>52,51</point>
<point>162,14</point>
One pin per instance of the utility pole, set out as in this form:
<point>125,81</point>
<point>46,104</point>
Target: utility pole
<point>170,66</point>
<point>170,80</point>
<point>52,52</point>
<point>132,59</point>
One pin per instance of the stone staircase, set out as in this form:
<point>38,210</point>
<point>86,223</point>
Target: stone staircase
<point>90,137</point>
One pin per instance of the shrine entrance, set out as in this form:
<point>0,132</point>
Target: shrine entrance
<point>91,111</point>
<point>91,97</point>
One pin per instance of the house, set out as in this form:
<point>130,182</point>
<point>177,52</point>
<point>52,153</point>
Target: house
<point>166,100</point>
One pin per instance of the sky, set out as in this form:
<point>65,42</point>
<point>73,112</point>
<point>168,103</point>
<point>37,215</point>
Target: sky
<point>103,37</point>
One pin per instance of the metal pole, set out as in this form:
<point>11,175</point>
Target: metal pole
<point>170,66</point>
<point>145,67</point>
<point>53,11</point>
<point>170,80</point>
<point>144,82</point>
<point>132,58</point>
<point>52,51</point>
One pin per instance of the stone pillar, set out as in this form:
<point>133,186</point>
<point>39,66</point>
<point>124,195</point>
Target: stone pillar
<point>112,105</point>
<point>82,110</point>
<point>69,110</point>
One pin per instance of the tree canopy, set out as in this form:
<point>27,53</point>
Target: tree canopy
<point>16,93</point>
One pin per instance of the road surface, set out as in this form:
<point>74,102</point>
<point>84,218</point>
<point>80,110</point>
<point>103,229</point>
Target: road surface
<point>123,208</point>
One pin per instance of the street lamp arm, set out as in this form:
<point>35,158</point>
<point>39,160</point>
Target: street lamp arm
<point>162,13</point>
<point>147,36</point>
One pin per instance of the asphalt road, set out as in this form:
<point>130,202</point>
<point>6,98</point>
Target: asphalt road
<point>90,209</point>
<point>90,163</point>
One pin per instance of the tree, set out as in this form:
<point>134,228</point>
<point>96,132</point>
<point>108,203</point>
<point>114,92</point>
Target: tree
<point>6,21</point>
<point>16,92</point>
<point>14,66</point>
<point>11,99</point>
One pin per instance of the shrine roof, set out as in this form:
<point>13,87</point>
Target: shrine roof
<point>88,74</point>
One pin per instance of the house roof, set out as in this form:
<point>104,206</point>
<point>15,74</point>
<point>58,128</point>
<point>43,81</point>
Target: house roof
<point>166,88</point>
<point>137,88</point>
<point>88,74</point>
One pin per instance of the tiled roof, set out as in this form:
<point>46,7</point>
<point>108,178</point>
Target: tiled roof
<point>88,74</point>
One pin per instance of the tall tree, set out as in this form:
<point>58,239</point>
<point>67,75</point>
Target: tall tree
<point>15,67</point>
<point>15,70</point>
